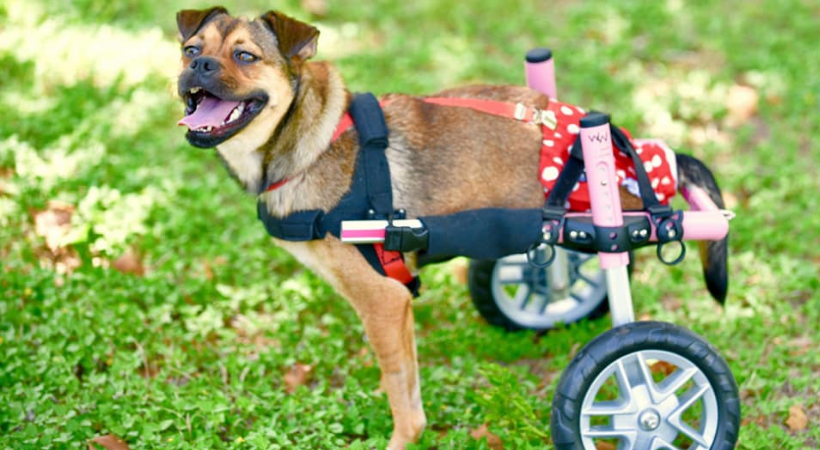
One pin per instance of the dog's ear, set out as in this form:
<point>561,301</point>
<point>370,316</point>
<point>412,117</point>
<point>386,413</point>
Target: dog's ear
<point>190,21</point>
<point>295,39</point>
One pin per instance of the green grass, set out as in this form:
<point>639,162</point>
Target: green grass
<point>193,353</point>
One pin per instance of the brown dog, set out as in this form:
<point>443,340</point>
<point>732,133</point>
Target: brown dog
<point>251,93</point>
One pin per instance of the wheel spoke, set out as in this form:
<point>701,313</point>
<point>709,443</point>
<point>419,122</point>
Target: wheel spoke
<point>676,381</point>
<point>637,372</point>
<point>691,433</point>
<point>523,295</point>
<point>512,274</point>
<point>543,302</point>
<point>659,443</point>
<point>576,297</point>
<point>589,280</point>
<point>627,438</point>
<point>686,401</point>
<point>648,381</point>
<point>579,259</point>
<point>624,384</point>
<point>609,408</point>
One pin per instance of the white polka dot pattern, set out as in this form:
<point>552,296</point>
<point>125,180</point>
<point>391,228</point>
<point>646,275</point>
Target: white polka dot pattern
<point>550,173</point>
<point>558,145</point>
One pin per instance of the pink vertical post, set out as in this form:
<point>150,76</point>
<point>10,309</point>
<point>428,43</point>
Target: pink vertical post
<point>540,70</point>
<point>605,200</point>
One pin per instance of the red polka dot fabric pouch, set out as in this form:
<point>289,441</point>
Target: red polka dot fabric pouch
<point>658,160</point>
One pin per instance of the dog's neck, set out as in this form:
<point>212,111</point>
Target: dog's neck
<point>305,127</point>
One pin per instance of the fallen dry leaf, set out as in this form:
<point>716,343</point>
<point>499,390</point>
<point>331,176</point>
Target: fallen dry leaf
<point>741,105</point>
<point>801,345</point>
<point>53,223</point>
<point>298,375</point>
<point>798,420</point>
<point>663,367</point>
<point>671,302</point>
<point>600,445</point>
<point>108,442</point>
<point>206,268</point>
<point>493,441</point>
<point>129,262</point>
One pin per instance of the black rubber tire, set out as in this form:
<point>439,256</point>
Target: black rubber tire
<point>630,338</point>
<point>479,283</point>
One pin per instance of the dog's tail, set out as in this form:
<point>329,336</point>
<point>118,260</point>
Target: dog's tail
<point>713,254</point>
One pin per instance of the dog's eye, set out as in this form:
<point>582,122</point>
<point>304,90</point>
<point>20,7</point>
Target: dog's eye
<point>191,51</point>
<point>245,57</point>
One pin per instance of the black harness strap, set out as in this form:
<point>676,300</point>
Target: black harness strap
<point>554,207</point>
<point>370,195</point>
<point>668,222</point>
<point>369,119</point>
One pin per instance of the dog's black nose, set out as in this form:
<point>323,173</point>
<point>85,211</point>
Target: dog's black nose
<point>204,65</point>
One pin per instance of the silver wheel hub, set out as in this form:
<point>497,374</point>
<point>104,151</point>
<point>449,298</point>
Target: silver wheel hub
<point>649,420</point>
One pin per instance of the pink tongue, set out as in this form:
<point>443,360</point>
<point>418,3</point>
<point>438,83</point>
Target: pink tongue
<point>210,112</point>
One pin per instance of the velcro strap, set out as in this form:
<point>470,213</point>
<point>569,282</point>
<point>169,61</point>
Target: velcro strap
<point>650,200</point>
<point>298,226</point>
<point>367,115</point>
<point>369,120</point>
<point>554,206</point>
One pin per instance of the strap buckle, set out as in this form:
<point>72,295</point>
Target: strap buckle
<point>553,213</point>
<point>543,117</point>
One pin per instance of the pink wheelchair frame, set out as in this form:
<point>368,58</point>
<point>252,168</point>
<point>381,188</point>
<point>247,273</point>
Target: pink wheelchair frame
<point>704,221</point>
<point>645,414</point>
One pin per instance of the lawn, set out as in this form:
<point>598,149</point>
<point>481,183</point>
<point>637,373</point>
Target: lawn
<point>141,298</point>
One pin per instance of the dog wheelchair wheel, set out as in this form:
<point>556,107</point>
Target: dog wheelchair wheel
<point>511,293</point>
<point>646,385</point>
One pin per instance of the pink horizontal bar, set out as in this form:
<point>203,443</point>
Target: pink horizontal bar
<point>697,225</point>
<point>369,234</point>
<point>698,198</point>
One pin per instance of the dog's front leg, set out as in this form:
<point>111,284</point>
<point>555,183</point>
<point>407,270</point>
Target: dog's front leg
<point>385,307</point>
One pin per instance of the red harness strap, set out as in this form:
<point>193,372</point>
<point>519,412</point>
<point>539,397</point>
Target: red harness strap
<point>393,264</point>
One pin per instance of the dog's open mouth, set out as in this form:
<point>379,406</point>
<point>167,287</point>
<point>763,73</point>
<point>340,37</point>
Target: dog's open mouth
<point>211,120</point>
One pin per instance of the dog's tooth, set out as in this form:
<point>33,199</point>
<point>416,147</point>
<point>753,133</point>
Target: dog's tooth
<point>235,113</point>
<point>194,90</point>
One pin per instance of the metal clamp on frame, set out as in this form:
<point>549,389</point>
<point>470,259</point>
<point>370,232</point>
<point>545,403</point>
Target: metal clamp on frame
<point>669,230</point>
<point>553,222</point>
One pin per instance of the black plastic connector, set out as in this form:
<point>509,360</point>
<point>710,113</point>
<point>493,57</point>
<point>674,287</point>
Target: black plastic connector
<point>405,239</point>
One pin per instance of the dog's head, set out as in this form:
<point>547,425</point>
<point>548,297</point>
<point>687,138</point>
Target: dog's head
<point>238,75</point>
